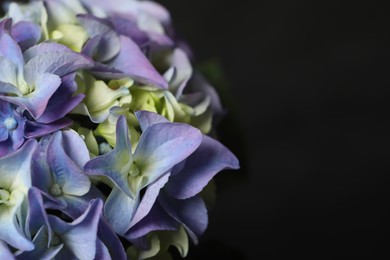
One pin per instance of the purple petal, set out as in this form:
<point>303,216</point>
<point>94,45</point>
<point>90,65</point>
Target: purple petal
<point>133,62</point>
<point>5,26</point>
<point>26,34</point>
<point>62,101</point>
<point>192,213</point>
<point>108,44</point>
<point>162,146</point>
<point>80,235</point>
<point>147,118</point>
<point>130,29</point>
<point>70,177</point>
<point>200,167</point>
<point>44,48</point>
<point>37,216</point>
<point>59,63</point>
<point>34,129</point>
<point>3,133</point>
<point>41,173</point>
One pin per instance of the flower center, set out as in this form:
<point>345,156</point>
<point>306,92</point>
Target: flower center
<point>56,190</point>
<point>104,148</point>
<point>55,240</point>
<point>10,123</point>
<point>134,170</point>
<point>4,195</point>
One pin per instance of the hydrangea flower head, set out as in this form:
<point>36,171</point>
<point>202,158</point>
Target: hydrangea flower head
<point>106,132</point>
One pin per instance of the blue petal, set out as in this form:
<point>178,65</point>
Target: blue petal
<point>3,133</point>
<point>11,50</point>
<point>149,198</point>
<point>200,167</point>
<point>156,220</point>
<point>41,173</point>
<point>110,240</point>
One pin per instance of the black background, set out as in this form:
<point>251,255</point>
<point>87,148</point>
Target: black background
<point>307,88</point>
<point>307,91</point>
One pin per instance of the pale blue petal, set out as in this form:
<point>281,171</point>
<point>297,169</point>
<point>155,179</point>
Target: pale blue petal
<point>8,74</point>
<point>11,50</point>
<point>10,230</point>
<point>183,72</point>
<point>17,165</point>
<point>35,129</point>
<point>3,133</point>
<point>119,209</point>
<point>162,146</point>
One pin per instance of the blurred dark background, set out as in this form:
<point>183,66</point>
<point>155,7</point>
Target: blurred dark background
<point>307,88</point>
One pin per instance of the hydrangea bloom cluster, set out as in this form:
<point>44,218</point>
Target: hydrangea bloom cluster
<point>106,149</point>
